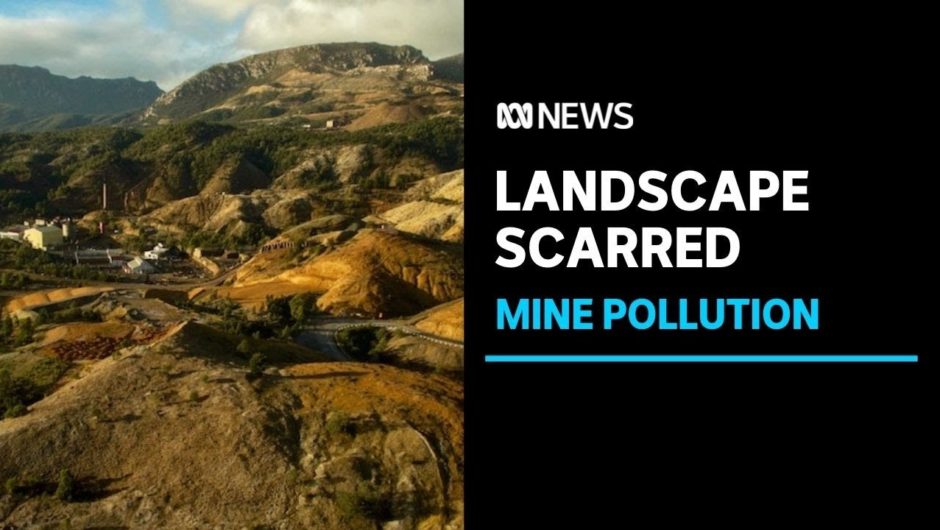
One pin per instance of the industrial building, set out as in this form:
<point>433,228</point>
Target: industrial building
<point>43,237</point>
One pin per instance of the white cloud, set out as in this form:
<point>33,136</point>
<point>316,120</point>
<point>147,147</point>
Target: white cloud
<point>177,38</point>
<point>220,9</point>
<point>435,26</point>
<point>113,46</point>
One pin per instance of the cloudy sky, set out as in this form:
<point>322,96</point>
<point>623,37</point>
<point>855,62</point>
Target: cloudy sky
<point>168,40</point>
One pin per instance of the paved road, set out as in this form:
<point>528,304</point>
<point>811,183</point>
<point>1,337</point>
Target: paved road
<point>320,335</point>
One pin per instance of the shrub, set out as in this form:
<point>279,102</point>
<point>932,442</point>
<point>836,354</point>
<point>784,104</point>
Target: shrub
<point>302,307</point>
<point>6,327</point>
<point>65,490</point>
<point>367,504</point>
<point>340,424</point>
<point>256,365</point>
<point>15,411</point>
<point>24,332</point>
<point>15,393</point>
<point>9,486</point>
<point>363,343</point>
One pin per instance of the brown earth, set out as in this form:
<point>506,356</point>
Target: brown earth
<point>385,113</point>
<point>93,341</point>
<point>55,296</point>
<point>417,353</point>
<point>174,436</point>
<point>445,320</point>
<point>433,208</point>
<point>375,272</point>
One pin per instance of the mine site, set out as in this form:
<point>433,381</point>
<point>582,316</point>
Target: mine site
<point>242,301</point>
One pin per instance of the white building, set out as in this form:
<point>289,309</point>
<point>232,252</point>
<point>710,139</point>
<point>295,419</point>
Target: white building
<point>139,266</point>
<point>158,253</point>
<point>15,233</point>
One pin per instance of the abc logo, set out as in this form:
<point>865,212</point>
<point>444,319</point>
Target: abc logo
<point>569,115</point>
<point>514,115</point>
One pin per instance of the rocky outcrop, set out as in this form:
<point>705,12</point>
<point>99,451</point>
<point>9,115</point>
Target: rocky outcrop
<point>435,211</point>
<point>215,85</point>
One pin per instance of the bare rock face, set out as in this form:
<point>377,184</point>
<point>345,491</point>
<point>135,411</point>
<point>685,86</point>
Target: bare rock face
<point>435,211</point>
<point>288,213</point>
<point>218,83</point>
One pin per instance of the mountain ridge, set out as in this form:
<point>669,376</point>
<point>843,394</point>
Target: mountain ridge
<point>310,84</point>
<point>32,98</point>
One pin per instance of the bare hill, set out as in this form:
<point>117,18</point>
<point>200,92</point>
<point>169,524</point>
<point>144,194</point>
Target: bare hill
<point>434,211</point>
<point>173,435</point>
<point>375,272</point>
<point>445,320</point>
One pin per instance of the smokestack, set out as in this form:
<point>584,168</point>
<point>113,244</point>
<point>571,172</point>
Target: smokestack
<point>104,196</point>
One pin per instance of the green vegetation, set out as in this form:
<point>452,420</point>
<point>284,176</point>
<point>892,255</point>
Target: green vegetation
<point>35,169</point>
<point>15,393</point>
<point>289,313</point>
<point>323,173</point>
<point>235,321</point>
<point>15,333</point>
<point>252,236</point>
<point>20,257</point>
<point>340,424</point>
<point>256,365</point>
<point>365,503</point>
<point>24,485</point>
<point>365,344</point>
<point>69,314</point>
<point>24,379</point>
<point>7,327</point>
<point>13,281</point>
<point>24,332</point>
<point>65,490</point>
<point>368,502</point>
<point>302,307</point>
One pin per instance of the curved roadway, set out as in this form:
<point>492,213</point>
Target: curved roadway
<point>321,334</point>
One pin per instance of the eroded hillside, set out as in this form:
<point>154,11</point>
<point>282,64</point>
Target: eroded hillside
<point>293,356</point>
<point>175,435</point>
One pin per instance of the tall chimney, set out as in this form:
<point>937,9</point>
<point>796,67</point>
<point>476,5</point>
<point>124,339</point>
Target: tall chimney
<point>104,196</point>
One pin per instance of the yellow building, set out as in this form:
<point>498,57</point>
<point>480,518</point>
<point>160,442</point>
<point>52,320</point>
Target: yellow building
<point>43,237</point>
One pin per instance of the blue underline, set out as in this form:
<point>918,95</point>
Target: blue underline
<point>769,358</point>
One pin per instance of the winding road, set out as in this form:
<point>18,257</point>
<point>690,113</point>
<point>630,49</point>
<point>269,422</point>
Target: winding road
<point>320,335</point>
